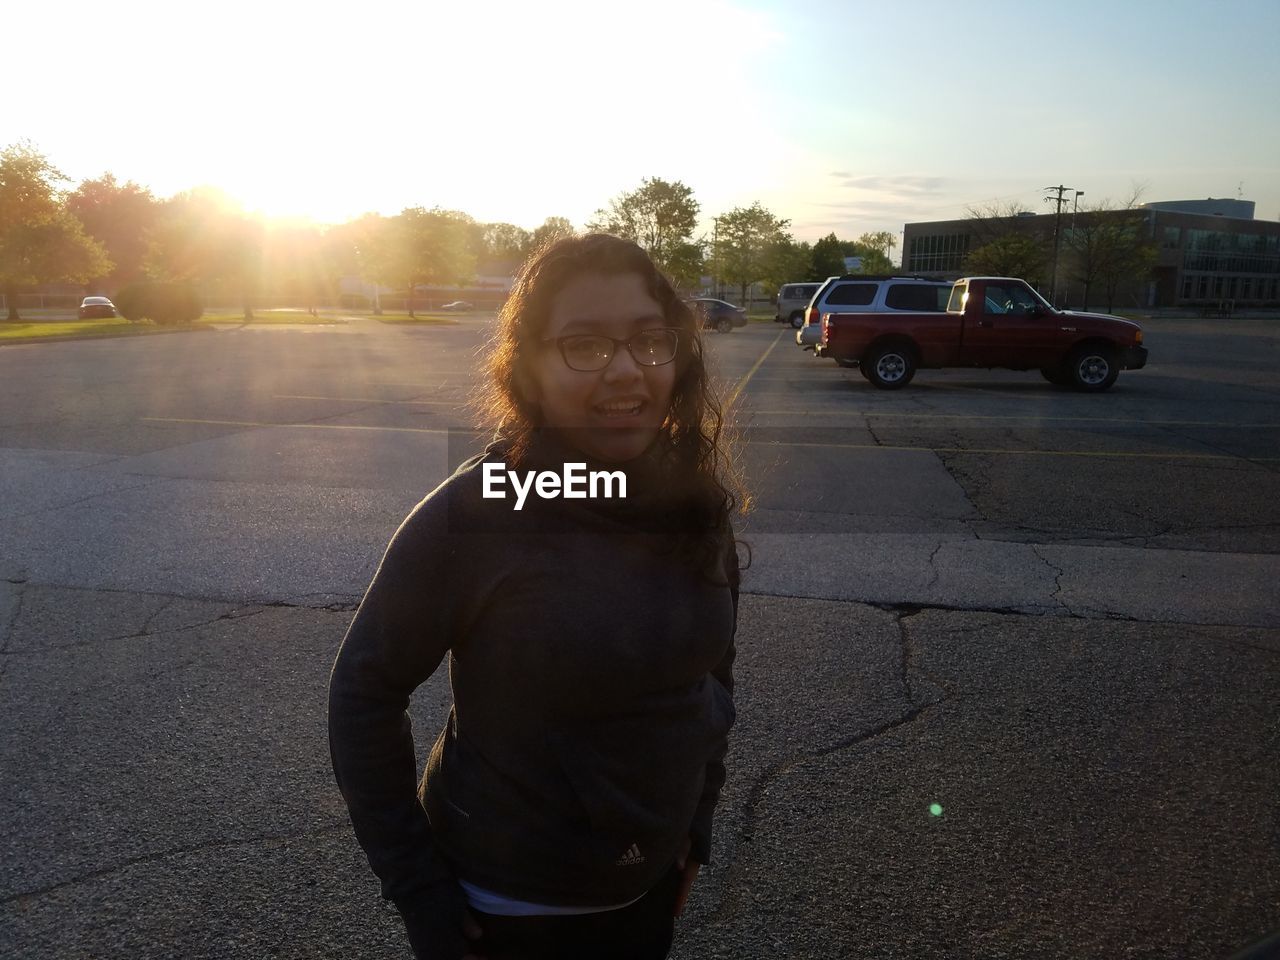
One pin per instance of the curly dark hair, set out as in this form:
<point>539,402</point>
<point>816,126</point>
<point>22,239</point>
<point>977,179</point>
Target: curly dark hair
<point>694,442</point>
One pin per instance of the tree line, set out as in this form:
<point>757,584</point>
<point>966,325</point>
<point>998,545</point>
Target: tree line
<point>1100,248</point>
<point>106,235</point>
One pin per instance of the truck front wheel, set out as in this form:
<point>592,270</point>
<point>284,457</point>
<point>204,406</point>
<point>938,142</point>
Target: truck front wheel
<point>1093,368</point>
<point>889,367</point>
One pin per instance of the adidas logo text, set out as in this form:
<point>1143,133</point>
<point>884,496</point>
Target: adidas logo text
<point>632,856</point>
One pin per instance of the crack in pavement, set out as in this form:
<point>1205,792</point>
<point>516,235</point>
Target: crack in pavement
<point>937,574</point>
<point>334,606</point>
<point>93,496</point>
<point>746,832</point>
<point>1057,579</point>
<point>75,644</point>
<point>166,854</point>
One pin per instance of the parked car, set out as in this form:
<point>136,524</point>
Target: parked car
<point>989,322</point>
<point>96,307</point>
<point>458,306</point>
<point>792,299</point>
<point>717,315</point>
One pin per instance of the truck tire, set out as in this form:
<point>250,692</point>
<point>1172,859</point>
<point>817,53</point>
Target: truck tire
<point>889,366</point>
<point>1056,375</point>
<point>1092,367</point>
<point>797,320</point>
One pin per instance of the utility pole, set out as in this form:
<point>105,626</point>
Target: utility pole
<point>1060,190</point>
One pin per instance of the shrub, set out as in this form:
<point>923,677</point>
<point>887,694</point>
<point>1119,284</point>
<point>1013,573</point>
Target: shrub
<point>162,303</point>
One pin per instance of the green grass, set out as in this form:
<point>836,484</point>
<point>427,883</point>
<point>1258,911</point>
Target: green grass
<point>418,317</point>
<point>53,329</point>
<point>272,316</point>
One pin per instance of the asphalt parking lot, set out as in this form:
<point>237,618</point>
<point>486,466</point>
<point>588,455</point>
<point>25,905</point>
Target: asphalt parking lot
<point>1009,655</point>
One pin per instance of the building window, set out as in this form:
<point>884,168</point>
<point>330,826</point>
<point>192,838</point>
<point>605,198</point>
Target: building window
<point>1172,236</point>
<point>1186,288</point>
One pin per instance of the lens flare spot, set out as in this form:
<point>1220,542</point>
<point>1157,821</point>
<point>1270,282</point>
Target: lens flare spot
<point>935,809</point>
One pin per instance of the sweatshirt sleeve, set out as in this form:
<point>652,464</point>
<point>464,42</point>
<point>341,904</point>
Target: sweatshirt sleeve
<point>400,633</point>
<point>700,831</point>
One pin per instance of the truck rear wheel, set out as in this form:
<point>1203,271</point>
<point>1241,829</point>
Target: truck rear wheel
<point>889,367</point>
<point>1092,368</point>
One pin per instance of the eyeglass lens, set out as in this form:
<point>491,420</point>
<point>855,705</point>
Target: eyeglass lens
<point>588,352</point>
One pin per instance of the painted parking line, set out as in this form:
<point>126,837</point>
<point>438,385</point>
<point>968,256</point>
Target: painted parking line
<point>304,426</point>
<point>427,403</point>
<point>751,373</point>
<point>964,416</point>
<point>772,443</point>
<point>1121,455</point>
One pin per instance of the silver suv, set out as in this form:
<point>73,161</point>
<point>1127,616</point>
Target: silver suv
<point>864,293</point>
<point>792,299</point>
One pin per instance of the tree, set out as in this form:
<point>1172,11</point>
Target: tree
<point>370,242</point>
<point>553,228</point>
<point>1127,253</point>
<point>750,246</point>
<point>120,217</point>
<point>203,236</point>
<point>299,265</point>
<point>1013,255</point>
<point>792,261</point>
<point>873,256</point>
<point>686,261</point>
<point>1108,245</point>
<point>506,241</point>
<point>40,241</point>
<point>1009,242</point>
<point>992,221</point>
<point>658,215</point>
<point>431,247</point>
<point>881,242</point>
<point>828,258</point>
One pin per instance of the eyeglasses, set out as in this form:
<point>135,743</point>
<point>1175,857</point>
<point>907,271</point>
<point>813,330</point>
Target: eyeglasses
<point>590,352</point>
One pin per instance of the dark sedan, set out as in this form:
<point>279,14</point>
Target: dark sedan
<point>96,307</point>
<point>717,315</point>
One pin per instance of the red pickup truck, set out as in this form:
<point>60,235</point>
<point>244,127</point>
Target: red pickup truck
<point>989,322</point>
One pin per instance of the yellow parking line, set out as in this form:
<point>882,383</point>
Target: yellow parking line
<point>432,403</point>
<point>308,426</point>
<point>750,373</point>
<point>769,443</point>
<point>962,416</point>
<point>1028,453</point>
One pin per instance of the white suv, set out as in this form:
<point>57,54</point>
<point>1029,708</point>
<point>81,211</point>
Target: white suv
<point>865,293</point>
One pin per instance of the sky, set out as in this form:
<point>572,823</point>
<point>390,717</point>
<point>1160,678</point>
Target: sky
<point>844,117</point>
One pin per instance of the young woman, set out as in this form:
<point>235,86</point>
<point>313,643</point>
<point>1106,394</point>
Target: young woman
<point>567,804</point>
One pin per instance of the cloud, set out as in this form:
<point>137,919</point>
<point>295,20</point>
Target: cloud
<point>900,184</point>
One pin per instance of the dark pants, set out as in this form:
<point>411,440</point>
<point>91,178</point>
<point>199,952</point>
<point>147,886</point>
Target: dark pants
<point>641,931</point>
